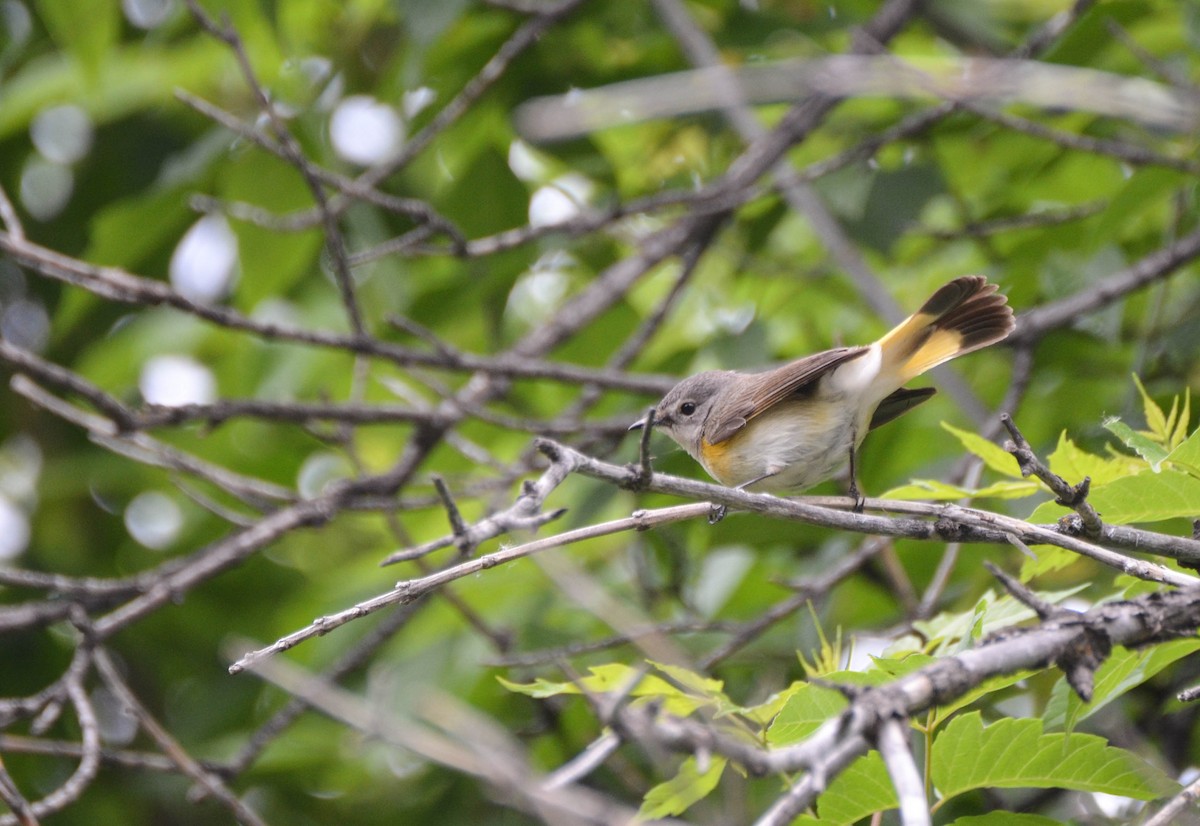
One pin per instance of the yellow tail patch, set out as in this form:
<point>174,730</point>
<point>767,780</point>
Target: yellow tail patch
<point>962,316</point>
<point>941,346</point>
<point>916,345</point>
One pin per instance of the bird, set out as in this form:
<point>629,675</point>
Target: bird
<point>795,426</point>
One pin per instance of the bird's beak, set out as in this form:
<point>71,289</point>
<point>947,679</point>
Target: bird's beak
<point>644,422</point>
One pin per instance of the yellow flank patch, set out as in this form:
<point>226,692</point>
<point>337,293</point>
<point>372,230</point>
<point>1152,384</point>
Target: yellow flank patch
<point>716,459</point>
<point>784,440</point>
<point>941,346</point>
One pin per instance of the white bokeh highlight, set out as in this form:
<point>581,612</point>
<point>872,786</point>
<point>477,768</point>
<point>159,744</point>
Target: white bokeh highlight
<point>416,100</point>
<point>205,261</point>
<point>560,200</point>
<point>525,163</point>
<point>14,530</point>
<point>147,14</point>
<point>16,22</point>
<point>319,471</point>
<point>20,468</point>
<point>153,519</point>
<point>24,323</point>
<point>365,131</point>
<point>540,292</point>
<point>318,72</point>
<point>45,188</point>
<point>117,723</point>
<point>173,380</point>
<point>62,134</point>
<point>1116,807</point>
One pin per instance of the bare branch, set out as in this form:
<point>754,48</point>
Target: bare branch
<point>147,450</point>
<point>525,514</point>
<point>408,591</point>
<point>334,240</point>
<point>953,522</point>
<point>1131,623</point>
<point>497,764</point>
<point>8,217</point>
<point>969,81</point>
<point>1176,807</point>
<point>205,778</point>
<point>119,285</point>
<point>1162,263</point>
<point>892,741</point>
<point>70,790</point>
<point>1069,496</point>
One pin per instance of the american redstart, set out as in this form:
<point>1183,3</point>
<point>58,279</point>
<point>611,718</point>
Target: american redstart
<point>795,426</point>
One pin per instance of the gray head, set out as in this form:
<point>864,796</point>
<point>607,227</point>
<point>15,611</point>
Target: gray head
<point>683,411</point>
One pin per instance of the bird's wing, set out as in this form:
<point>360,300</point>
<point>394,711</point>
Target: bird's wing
<point>763,391</point>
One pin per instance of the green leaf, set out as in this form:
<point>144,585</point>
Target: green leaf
<point>940,491</point>
<point>614,677</point>
<point>809,705</point>
<point>539,688</point>
<point>688,786</point>
<point>86,28</point>
<point>982,690</point>
<point>766,711</point>
<point>1143,445</point>
<point>1047,512</point>
<point>1007,490</point>
<point>1144,192</point>
<point>994,456</point>
<point>1123,670</point>
<point>1175,428</point>
<point>861,790</point>
<point>1148,497</point>
<point>1156,421</point>
<point>892,667</point>
<point>1049,559</point>
<point>272,262</point>
<point>805,711</point>
<point>1072,463</point>
<point>131,80</point>
<point>1179,432</point>
<point>1014,753</point>
<point>1006,819</point>
<point>1186,456</point>
<point>989,614</point>
<point>690,680</point>
<point>919,489</point>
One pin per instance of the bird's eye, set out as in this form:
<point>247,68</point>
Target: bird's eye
<point>687,408</point>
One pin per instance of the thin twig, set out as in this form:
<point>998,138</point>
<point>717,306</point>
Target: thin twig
<point>488,758</point>
<point>892,741</point>
<point>334,240</point>
<point>953,522</point>
<point>202,776</point>
<point>413,589</point>
<point>1069,496</point>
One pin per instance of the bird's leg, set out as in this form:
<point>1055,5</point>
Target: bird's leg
<point>860,501</point>
<point>717,512</point>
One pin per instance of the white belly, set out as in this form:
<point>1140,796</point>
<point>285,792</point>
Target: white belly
<point>794,445</point>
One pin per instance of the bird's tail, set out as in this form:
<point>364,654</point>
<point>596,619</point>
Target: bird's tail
<point>964,315</point>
